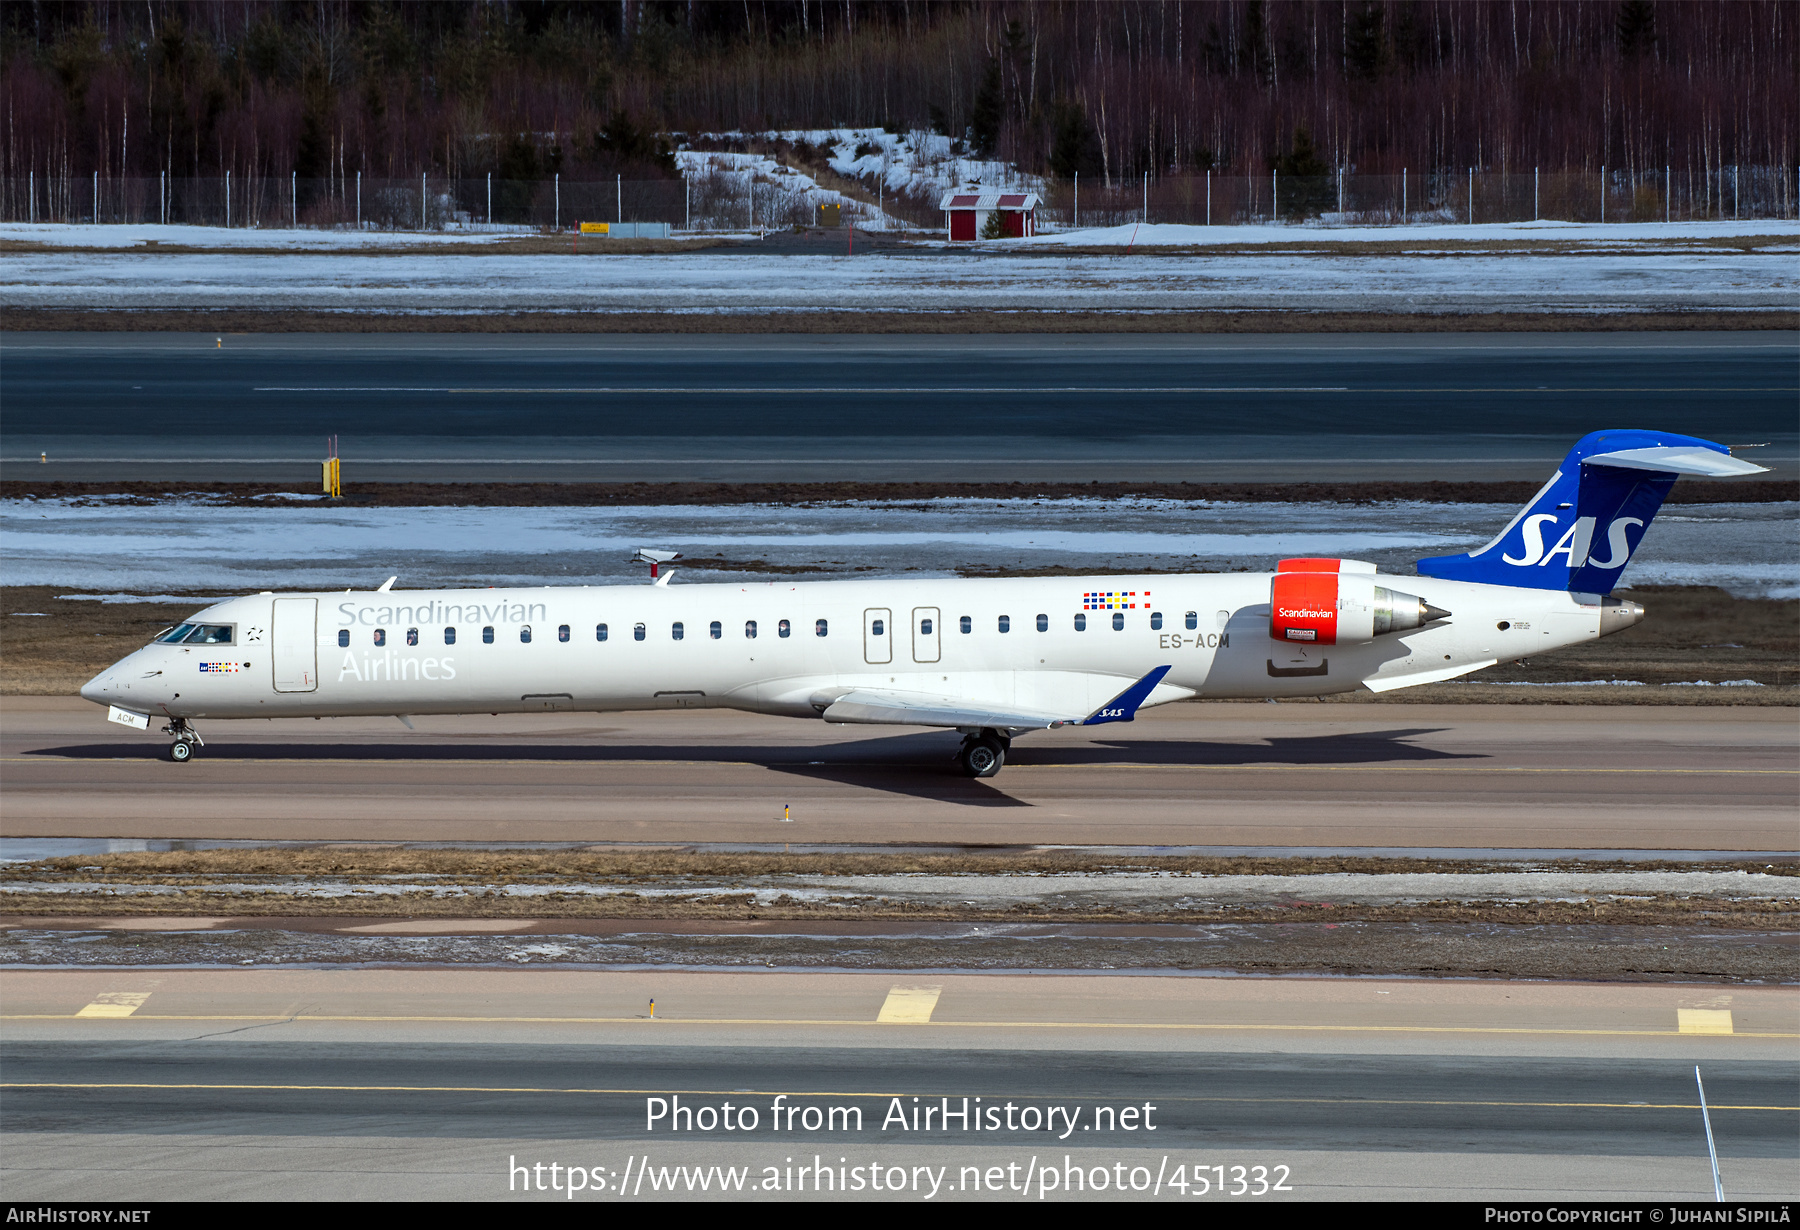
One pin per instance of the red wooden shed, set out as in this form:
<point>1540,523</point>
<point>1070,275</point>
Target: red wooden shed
<point>966,212</point>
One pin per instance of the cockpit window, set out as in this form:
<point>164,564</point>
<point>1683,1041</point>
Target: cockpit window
<point>198,634</point>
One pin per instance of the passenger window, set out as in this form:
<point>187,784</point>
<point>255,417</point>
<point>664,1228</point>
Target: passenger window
<point>966,624</point>
<point>525,635</point>
<point>449,636</point>
<point>924,627</point>
<point>1006,623</point>
<point>380,637</point>
<point>717,629</point>
<point>1156,621</point>
<point>1081,623</point>
<point>1043,623</point>
<point>1118,621</point>
<point>637,632</point>
<point>781,629</point>
<point>343,638</point>
<point>412,636</point>
<point>749,629</point>
<point>562,632</point>
<point>1193,620</point>
<point>819,628</point>
<point>878,628</point>
<point>599,632</point>
<point>179,633</point>
<point>676,631</point>
<point>487,635</point>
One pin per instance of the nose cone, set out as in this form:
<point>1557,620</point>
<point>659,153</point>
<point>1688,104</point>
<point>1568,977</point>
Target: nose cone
<point>1618,614</point>
<point>99,688</point>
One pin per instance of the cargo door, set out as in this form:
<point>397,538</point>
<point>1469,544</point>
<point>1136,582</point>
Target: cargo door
<point>878,636</point>
<point>925,633</point>
<point>296,644</point>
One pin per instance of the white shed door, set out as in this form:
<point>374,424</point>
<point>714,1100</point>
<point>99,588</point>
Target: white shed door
<point>296,642</point>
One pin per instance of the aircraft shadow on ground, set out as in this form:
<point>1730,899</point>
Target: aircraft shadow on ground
<point>920,764</point>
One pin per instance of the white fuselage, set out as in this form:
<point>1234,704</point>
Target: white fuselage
<point>316,654</point>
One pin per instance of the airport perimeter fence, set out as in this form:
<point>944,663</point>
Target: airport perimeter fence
<point>1660,195</point>
<point>727,201</point>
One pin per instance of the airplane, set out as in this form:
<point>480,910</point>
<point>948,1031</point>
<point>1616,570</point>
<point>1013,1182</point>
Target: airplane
<point>991,658</point>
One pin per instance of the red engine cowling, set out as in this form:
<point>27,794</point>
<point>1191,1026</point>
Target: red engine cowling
<point>1324,608</point>
<point>1304,607</point>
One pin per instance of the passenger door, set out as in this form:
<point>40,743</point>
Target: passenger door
<point>926,630</point>
<point>878,635</point>
<point>295,641</point>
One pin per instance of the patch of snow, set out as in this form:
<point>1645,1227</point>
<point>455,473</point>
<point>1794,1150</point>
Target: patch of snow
<point>1172,235</point>
<point>135,235</point>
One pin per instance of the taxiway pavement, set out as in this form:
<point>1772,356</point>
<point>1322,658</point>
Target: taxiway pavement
<point>1296,775</point>
<point>159,1083</point>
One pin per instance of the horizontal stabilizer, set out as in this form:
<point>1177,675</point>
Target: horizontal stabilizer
<point>1677,460</point>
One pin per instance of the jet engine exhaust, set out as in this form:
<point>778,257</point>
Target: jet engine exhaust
<point>1398,612</point>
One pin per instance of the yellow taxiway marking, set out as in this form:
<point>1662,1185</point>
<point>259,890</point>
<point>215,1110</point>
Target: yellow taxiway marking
<point>909,1006</point>
<point>665,1020</point>
<point>842,1093</point>
<point>115,1004</point>
<point>1703,1020</point>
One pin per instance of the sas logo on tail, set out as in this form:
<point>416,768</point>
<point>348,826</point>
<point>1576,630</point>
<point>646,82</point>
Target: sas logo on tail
<point>1575,543</point>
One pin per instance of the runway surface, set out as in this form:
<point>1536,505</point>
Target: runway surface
<point>140,1084</point>
<point>105,406</point>
<point>1289,775</point>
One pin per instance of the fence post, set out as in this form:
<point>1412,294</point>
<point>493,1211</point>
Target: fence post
<point>1471,196</point>
<point>421,200</point>
<point>31,196</point>
<point>1274,195</point>
<point>294,199</point>
<point>359,200</point>
<point>1666,186</point>
<point>1076,223</point>
<point>1340,195</point>
<point>490,197</point>
<point>1209,196</point>
<point>1734,190</point>
<point>619,197</point>
<point>556,197</point>
<point>1536,213</point>
<point>1403,196</point>
<point>96,198</point>
<point>1603,192</point>
<point>162,195</point>
<point>687,203</point>
<point>228,199</point>
<point>1146,198</point>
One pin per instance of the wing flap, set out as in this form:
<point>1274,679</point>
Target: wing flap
<point>881,708</point>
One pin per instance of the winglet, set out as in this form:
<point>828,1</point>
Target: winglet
<point>1124,706</point>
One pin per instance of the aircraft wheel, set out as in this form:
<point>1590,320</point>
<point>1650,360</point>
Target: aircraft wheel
<point>982,757</point>
<point>181,751</point>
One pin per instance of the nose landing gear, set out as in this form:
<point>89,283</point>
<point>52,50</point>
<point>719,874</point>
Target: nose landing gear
<point>983,755</point>
<point>186,740</point>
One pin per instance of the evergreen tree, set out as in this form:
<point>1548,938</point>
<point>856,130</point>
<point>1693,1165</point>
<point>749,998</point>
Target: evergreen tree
<point>1075,146</point>
<point>1636,27</point>
<point>984,117</point>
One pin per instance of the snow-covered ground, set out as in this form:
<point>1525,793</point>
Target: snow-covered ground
<point>1326,229</point>
<point>299,239</point>
<point>1749,549</point>
<point>919,164</point>
<point>715,281</point>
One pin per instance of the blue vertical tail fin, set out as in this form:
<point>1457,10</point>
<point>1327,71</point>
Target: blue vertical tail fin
<point>1580,529</point>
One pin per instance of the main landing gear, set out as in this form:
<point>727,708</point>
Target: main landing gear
<point>186,740</point>
<point>983,754</point>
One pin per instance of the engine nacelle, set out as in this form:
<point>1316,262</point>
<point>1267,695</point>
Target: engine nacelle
<point>1329,608</point>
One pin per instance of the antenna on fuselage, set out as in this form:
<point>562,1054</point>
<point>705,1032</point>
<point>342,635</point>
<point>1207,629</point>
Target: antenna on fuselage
<point>656,560</point>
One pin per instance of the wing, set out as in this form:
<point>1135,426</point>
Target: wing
<point>877,706</point>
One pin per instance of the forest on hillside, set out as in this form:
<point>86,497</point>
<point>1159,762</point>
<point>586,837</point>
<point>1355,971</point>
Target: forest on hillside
<point>524,89</point>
